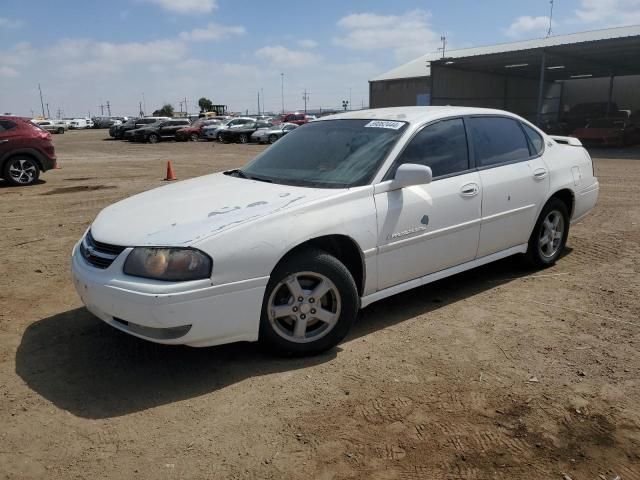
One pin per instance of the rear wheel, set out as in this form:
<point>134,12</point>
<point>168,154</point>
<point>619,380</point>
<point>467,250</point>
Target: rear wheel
<point>310,303</point>
<point>153,138</point>
<point>549,235</point>
<point>194,137</point>
<point>273,138</point>
<point>219,137</point>
<point>61,130</point>
<point>244,138</point>
<point>21,171</point>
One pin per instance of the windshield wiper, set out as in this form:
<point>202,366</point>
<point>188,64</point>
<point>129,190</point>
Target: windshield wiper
<point>236,172</point>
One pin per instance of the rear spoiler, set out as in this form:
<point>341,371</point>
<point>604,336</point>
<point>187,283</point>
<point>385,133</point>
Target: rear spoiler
<point>574,142</point>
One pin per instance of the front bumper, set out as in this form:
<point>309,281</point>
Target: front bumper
<point>194,313</point>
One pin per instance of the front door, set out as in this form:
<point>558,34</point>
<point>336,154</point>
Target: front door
<point>426,228</point>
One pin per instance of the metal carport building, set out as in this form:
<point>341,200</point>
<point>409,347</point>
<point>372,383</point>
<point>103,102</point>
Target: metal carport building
<point>530,78</point>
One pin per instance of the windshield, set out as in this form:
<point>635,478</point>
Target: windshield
<point>328,154</point>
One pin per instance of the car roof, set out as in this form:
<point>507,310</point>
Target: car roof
<point>413,114</point>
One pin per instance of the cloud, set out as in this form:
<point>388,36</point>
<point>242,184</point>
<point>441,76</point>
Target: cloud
<point>8,23</point>
<point>186,6</point>
<point>608,13</point>
<point>408,35</point>
<point>8,72</point>
<point>282,56</point>
<point>213,31</point>
<point>527,25</point>
<point>308,43</point>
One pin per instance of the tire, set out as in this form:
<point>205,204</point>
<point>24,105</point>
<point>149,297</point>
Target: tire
<point>553,221</point>
<point>194,137</point>
<point>282,334</point>
<point>219,137</point>
<point>273,138</point>
<point>61,130</point>
<point>243,138</point>
<point>153,138</point>
<point>21,171</point>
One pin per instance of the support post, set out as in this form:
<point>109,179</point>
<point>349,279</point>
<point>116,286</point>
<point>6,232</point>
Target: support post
<point>610,94</point>
<point>541,88</point>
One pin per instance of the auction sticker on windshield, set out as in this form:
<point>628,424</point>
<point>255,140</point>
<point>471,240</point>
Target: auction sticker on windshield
<point>384,124</point>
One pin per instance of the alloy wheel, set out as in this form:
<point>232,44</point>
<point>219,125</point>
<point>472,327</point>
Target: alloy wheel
<point>551,234</point>
<point>23,171</point>
<point>304,307</point>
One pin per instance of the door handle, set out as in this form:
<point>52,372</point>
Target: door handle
<point>540,173</point>
<point>469,190</point>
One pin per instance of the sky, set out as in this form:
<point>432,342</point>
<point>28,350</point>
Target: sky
<point>85,53</point>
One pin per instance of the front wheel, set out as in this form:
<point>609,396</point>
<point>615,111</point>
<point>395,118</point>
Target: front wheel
<point>273,138</point>
<point>310,303</point>
<point>219,137</point>
<point>195,137</point>
<point>549,235</point>
<point>244,138</point>
<point>153,138</point>
<point>21,171</point>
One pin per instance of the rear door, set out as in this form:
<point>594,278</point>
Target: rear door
<point>514,178</point>
<point>9,137</point>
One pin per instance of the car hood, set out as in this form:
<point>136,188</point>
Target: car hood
<point>183,213</point>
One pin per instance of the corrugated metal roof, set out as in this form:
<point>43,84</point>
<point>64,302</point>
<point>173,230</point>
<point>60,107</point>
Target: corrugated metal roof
<point>420,66</point>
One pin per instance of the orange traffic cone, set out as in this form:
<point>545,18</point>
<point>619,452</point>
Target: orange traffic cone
<point>170,175</point>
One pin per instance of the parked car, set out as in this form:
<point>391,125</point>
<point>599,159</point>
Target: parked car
<point>78,124</point>
<point>271,135</point>
<point>25,151</point>
<point>212,132</point>
<point>51,126</point>
<point>242,133</point>
<point>297,118</point>
<point>107,122</point>
<point>161,130</point>
<point>337,215</point>
<point>616,132</point>
<point>119,132</point>
<point>194,131</point>
<point>581,114</point>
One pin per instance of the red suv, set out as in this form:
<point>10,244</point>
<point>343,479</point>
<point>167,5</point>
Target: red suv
<point>25,151</point>
<point>297,118</point>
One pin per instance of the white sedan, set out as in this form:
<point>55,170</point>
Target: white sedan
<point>340,213</point>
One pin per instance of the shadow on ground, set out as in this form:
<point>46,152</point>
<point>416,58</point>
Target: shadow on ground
<point>95,371</point>
<point>616,153</point>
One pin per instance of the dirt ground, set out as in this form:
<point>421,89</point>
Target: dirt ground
<point>500,372</point>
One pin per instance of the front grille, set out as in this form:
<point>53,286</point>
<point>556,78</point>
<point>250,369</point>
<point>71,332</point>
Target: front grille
<point>99,254</point>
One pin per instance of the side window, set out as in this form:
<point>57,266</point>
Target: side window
<point>441,146</point>
<point>535,138</point>
<point>300,117</point>
<point>497,140</point>
<point>7,125</point>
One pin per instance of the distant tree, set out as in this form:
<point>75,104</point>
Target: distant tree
<point>205,104</point>
<point>165,111</point>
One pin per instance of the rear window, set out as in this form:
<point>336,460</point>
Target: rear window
<point>497,140</point>
<point>537,143</point>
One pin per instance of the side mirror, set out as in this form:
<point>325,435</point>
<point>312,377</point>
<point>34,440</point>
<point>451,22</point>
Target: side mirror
<point>409,174</point>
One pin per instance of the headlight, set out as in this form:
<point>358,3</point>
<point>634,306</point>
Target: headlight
<point>170,264</point>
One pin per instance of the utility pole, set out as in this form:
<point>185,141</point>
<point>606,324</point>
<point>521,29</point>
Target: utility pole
<point>41,101</point>
<point>305,97</point>
<point>141,112</point>
<point>48,114</point>
<point>144,102</point>
<point>550,19</point>
<point>258,102</point>
<point>282,90</point>
<point>186,107</point>
<point>262,92</point>
<point>443,39</point>
<point>350,99</point>
<point>59,113</point>
<point>108,108</point>
<point>101,110</point>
